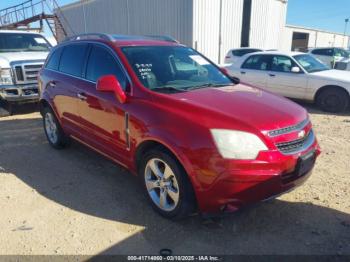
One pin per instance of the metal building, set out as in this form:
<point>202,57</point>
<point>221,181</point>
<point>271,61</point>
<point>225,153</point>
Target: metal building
<point>302,38</point>
<point>211,26</point>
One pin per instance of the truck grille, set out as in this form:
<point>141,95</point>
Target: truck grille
<point>27,73</point>
<point>298,145</point>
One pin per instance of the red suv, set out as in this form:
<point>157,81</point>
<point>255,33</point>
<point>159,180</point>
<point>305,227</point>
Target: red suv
<point>197,139</point>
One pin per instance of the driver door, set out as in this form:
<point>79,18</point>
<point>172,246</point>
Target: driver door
<point>101,114</point>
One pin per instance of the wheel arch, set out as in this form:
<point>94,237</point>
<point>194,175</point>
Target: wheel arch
<point>323,88</point>
<point>150,144</point>
<point>42,104</point>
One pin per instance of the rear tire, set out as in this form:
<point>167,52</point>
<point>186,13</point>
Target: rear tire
<point>333,100</point>
<point>53,130</point>
<point>166,184</point>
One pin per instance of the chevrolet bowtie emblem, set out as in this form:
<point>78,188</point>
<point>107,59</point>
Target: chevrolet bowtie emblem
<point>301,134</point>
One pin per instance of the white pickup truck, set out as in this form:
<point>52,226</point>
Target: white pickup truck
<point>22,55</point>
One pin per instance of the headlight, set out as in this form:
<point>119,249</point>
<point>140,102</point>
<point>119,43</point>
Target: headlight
<point>5,76</point>
<point>237,144</point>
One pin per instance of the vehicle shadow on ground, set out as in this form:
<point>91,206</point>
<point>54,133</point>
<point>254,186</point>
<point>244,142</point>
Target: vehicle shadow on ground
<point>82,180</point>
<point>17,109</point>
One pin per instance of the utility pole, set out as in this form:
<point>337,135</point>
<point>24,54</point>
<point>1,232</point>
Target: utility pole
<point>346,25</point>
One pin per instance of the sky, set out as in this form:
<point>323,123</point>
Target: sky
<point>328,15</point>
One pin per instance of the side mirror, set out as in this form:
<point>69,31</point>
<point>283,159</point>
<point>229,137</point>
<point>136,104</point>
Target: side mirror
<point>224,71</point>
<point>227,73</point>
<point>110,83</point>
<point>295,69</point>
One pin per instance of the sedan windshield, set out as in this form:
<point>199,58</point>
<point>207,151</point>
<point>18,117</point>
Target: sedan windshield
<point>310,64</point>
<point>173,68</point>
<point>17,42</point>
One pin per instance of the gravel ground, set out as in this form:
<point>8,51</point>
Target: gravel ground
<point>74,201</point>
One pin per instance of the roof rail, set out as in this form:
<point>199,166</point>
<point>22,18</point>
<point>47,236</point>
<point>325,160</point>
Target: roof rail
<point>162,38</point>
<point>88,36</point>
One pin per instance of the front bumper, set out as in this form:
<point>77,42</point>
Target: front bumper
<point>20,93</point>
<point>246,182</point>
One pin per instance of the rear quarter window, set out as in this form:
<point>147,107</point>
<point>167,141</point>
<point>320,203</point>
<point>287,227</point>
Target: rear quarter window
<point>54,59</point>
<point>72,59</point>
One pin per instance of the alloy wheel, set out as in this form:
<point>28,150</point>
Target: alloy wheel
<point>51,128</point>
<point>162,185</point>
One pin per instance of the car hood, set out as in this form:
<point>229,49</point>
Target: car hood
<point>7,58</point>
<point>225,107</point>
<point>336,75</point>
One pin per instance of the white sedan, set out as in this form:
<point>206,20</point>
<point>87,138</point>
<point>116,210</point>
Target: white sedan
<point>295,75</point>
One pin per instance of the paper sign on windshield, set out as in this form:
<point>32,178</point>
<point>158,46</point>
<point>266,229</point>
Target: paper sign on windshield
<point>199,60</point>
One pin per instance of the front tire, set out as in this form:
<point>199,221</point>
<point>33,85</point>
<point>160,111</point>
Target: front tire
<point>167,185</point>
<point>333,100</point>
<point>54,132</point>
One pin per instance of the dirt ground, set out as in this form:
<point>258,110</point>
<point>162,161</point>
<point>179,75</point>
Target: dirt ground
<point>74,201</point>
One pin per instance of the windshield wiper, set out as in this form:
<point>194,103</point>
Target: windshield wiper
<point>208,85</point>
<point>167,89</point>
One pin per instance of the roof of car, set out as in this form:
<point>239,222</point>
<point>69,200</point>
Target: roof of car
<point>243,58</point>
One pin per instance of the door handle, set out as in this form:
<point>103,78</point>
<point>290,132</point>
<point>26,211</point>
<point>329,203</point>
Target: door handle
<point>81,96</point>
<point>272,75</point>
<point>242,72</point>
<point>52,84</point>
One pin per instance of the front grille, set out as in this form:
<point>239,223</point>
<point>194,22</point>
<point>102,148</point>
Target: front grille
<point>27,73</point>
<point>288,129</point>
<point>19,73</point>
<point>294,146</point>
<point>31,71</point>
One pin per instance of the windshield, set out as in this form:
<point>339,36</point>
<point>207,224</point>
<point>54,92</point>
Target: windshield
<point>341,52</point>
<point>173,68</point>
<point>17,42</point>
<point>310,64</point>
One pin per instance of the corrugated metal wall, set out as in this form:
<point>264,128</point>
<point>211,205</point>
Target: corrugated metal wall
<point>231,25</point>
<point>206,24</point>
<point>209,18</point>
<point>197,23</point>
<point>267,23</point>
<point>163,17</point>
<point>317,38</point>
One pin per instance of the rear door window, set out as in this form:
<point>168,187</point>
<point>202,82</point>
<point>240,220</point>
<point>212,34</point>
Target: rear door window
<point>257,62</point>
<point>72,59</point>
<point>54,59</point>
<point>101,63</point>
